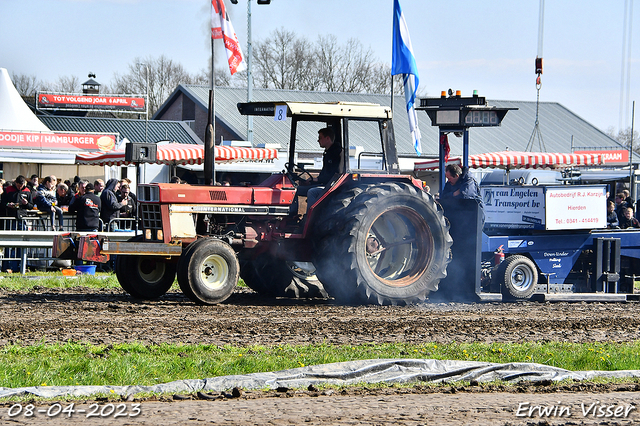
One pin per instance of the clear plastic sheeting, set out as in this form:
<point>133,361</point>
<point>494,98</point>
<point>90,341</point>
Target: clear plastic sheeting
<point>339,374</point>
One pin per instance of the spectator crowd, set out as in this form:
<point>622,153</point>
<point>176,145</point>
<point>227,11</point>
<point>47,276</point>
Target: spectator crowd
<point>95,205</point>
<point>620,211</point>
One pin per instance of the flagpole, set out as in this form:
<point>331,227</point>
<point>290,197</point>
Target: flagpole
<point>209,136</point>
<point>220,28</point>
<point>391,93</point>
<point>249,75</point>
<point>392,42</point>
<point>213,89</point>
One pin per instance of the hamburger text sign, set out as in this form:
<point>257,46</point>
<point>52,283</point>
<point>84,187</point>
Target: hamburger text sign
<point>65,141</point>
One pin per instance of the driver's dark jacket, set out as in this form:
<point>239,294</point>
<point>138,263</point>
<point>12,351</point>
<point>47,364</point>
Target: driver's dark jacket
<point>331,160</point>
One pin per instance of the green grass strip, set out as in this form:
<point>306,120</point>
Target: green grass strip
<point>132,363</point>
<point>14,282</point>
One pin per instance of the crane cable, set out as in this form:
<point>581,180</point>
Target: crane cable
<point>625,67</point>
<point>536,128</point>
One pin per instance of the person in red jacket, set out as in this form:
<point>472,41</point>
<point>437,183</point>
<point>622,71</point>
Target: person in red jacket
<point>17,198</point>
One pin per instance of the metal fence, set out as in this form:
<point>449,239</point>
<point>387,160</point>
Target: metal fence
<point>27,242</point>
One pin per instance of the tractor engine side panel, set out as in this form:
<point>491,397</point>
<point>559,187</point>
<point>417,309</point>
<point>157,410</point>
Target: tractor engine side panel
<point>181,212</point>
<point>187,194</point>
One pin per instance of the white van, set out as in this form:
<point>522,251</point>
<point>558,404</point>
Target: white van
<point>523,177</point>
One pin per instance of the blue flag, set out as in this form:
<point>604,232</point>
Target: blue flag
<point>403,62</point>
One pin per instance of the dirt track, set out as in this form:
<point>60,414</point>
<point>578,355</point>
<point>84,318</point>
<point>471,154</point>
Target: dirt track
<point>110,316</point>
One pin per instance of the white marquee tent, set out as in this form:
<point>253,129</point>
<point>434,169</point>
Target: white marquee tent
<point>17,119</point>
<point>15,115</point>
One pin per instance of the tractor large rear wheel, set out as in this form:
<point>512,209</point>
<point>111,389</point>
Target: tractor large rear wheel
<point>389,245</point>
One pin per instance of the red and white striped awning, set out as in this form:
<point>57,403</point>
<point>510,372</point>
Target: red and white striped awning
<point>177,153</point>
<point>519,160</point>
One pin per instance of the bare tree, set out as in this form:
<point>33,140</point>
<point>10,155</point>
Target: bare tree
<point>26,85</point>
<point>286,61</point>
<point>283,61</point>
<point>161,74</point>
<point>624,137</point>
<point>344,68</point>
<point>64,84</point>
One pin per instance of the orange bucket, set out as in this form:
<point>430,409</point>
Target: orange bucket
<point>69,272</point>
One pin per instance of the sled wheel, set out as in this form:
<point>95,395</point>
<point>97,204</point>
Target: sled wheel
<point>145,277</point>
<point>393,247</point>
<point>211,269</point>
<point>518,278</point>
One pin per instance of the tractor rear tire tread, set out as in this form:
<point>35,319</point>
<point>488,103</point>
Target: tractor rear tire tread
<point>338,251</point>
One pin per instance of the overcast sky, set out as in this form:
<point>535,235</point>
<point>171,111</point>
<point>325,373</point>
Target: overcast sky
<point>487,45</point>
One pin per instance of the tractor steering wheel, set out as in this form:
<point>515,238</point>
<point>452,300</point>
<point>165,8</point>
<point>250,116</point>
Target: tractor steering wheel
<point>296,173</point>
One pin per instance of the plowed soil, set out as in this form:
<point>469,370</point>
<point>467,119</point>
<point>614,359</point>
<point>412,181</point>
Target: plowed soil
<point>110,316</point>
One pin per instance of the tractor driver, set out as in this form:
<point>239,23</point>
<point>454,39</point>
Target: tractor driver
<point>331,164</point>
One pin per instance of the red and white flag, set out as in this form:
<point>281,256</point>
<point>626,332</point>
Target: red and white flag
<point>221,27</point>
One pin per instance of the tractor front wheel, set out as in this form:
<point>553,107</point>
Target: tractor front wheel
<point>209,271</point>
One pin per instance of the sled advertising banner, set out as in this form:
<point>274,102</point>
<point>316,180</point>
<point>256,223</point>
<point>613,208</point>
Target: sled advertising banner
<point>513,207</point>
<point>82,102</point>
<point>576,207</point>
<point>611,157</point>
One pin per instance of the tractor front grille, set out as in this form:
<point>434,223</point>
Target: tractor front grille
<point>151,216</point>
<point>218,195</point>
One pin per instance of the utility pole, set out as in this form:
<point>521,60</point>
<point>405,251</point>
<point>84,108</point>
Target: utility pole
<point>249,74</point>
<point>249,61</point>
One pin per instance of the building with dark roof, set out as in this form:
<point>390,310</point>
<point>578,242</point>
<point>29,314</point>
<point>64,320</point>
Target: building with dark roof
<point>131,129</point>
<point>560,128</point>
<point>183,118</point>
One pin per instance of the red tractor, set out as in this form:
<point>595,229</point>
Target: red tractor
<point>374,236</point>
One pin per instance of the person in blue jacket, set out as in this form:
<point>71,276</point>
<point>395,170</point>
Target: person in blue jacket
<point>47,202</point>
<point>110,208</point>
<point>612,217</point>
<point>461,185</point>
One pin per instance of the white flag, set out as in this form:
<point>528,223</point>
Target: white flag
<point>221,27</point>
